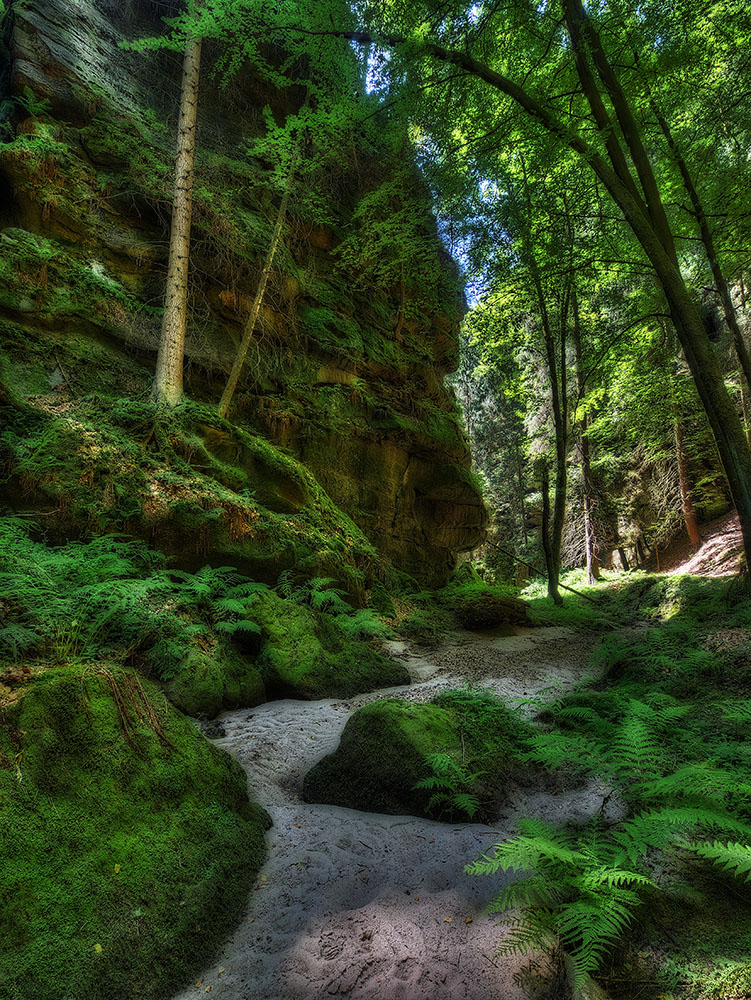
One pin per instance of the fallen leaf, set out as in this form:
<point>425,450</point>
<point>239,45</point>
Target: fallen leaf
<point>98,949</point>
<point>221,970</point>
<point>117,869</point>
<point>468,920</point>
<point>448,920</point>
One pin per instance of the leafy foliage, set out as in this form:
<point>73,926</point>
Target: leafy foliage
<point>112,597</point>
<point>448,783</point>
<point>664,731</point>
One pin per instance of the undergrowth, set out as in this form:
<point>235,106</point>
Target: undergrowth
<point>208,636</point>
<point>450,759</point>
<point>663,725</point>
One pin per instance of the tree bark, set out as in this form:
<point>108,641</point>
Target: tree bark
<point>520,481</point>
<point>741,350</point>
<point>168,380</point>
<point>250,326</point>
<point>590,539</point>
<point>687,502</point>
<point>645,219</point>
<point>551,564</point>
<point>553,531</point>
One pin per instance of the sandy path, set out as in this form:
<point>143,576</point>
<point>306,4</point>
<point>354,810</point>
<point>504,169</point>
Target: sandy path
<point>370,906</point>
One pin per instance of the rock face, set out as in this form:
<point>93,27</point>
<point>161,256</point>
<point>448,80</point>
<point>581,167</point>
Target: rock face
<point>341,378</point>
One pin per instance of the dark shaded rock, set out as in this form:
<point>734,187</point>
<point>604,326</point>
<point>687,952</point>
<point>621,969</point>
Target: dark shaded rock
<point>465,745</point>
<point>485,609</point>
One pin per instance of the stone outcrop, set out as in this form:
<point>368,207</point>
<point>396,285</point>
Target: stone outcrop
<point>339,380</point>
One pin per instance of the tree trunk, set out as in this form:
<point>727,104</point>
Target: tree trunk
<point>590,539</point>
<point>687,502</point>
<point>721,284</point>
<point>522,503</point>
<point>553,533</point>
<point>168,380</point>
<point>250,326</point>
<point>744,408</point>
<point>551,563</point>
<point>645,219</point>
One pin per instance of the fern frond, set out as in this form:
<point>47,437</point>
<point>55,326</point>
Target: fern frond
<point>733,857</point>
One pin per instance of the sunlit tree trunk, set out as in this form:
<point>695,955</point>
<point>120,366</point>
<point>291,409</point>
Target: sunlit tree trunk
<point>721,284</point>
<point>168,380</point>
<point>552,559</point>
<point>687,502</point>
<point>646,215</point>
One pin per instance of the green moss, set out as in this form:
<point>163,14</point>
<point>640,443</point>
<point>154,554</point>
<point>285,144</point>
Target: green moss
<point>108,463</point>
<point>303,656</point>
<point>387,747</point>
<point>476,605</point>
<point>381,757</point>
<point>205,684</point>
<point>128,842</point>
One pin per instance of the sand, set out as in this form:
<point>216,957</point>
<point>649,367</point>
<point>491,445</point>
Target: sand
<point>362,905</point>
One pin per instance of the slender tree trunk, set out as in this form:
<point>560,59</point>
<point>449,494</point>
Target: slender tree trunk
<point>590,539</point>
<point>687,502</point>
<point>744,408</point>
<point>553,530</point>
<point>551,563</point>
<point>558,400</point>
<point>168,380</point>
<point>250,326</point>
<point>520,480</point>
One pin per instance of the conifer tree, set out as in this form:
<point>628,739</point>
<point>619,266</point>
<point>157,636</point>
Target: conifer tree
<point>168,380</point>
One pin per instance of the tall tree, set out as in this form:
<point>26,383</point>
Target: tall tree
<point>479,43</point>
<point>168,380</point>
<point>591,549</point>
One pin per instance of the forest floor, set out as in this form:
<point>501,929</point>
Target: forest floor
<point>375,906</point>
<point>719,554</point>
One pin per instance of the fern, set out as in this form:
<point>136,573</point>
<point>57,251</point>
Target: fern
<point>732,857</point>
<point>578,893</point>
<point>112,596</point>
<point>363,624</point>
<point>451,785</point>
<point>35,107</point>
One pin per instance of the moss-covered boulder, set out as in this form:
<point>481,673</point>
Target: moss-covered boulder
<point>127,841</point>
<point>307,656</point>
<point>476,605</point>
<point>449,759</point>
<point>207,683</point>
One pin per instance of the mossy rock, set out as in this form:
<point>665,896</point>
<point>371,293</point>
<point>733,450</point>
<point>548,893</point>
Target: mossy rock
<point>381,757</point>
<point>128,841</point>
<point>206,684</point>
<point>385,749</point>
<point>476,606</point>
<point>303,658</point>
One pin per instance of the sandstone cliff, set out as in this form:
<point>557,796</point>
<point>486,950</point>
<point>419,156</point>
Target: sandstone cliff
<point>349,449</point>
